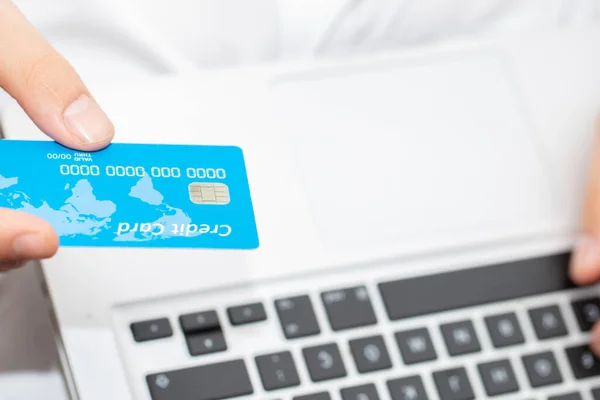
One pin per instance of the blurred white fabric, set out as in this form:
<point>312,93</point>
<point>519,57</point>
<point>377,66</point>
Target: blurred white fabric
<point>213,33</point>
<point>119,40</point>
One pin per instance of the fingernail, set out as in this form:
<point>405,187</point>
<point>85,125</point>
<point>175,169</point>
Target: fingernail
<point>587,255</point>
<point>30,243</point>
<point>87,122</point>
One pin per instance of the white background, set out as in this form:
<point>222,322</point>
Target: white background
<point>120,40</point>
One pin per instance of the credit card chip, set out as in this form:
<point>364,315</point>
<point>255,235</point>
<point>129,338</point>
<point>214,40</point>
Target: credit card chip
<point>209,193</point>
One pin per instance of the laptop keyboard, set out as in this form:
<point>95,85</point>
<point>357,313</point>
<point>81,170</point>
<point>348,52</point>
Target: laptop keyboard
<point>517,330</point>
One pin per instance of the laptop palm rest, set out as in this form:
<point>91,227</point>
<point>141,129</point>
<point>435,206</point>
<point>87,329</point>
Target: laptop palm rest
<point>411,151</point>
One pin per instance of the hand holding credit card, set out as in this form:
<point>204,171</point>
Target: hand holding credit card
<point>132,195</point>
<point>56,100</point>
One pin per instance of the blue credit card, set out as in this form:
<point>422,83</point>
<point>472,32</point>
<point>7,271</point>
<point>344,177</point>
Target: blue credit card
<point>133,195</point>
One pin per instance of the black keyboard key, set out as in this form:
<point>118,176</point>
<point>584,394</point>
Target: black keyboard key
<point>206,343</point>
<point>370,354</point>
<point>548,322</point>
<point>504,330</point>
<point>297,317</point>
<point>583,362</point>
<point>587,312</point>
<point>207,382</point>
<point>199,322</point>
<point>453,384</point>
<point>498,377</point>
<point>247,314</point>
<point>596,393</point>
<point>415,346</point>
<point>460,338</point>
<point>349,308</point>
<point>362,392</point>
<point>314,396</point>
<point>542,369</point>
<point>277,370</point>
<point>409,388</point>
<point>473,287</point>
<point>324,362</point>
<point>151,330</point>
<point>567,396</point>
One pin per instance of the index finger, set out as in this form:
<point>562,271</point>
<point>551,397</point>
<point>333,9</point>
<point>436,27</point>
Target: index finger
<point>47,87</point>
<point>585,264</point>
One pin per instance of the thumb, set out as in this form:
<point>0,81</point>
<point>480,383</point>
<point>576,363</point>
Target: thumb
<point>24,237</point>
<point>47,87</point>
<point>585,264</point>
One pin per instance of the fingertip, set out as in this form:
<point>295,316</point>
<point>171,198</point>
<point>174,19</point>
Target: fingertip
<point>37,245</point>
<point>585,261</point>
<point>98,145</point>
<point>50,241</point>
<point>25,237</point>
<point>595,339</point>
<point>83,125</point>
<point>88,124</point>
<point>74,144</point>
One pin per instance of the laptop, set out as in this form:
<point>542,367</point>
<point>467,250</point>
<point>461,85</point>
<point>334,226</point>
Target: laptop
<point>416,211</point>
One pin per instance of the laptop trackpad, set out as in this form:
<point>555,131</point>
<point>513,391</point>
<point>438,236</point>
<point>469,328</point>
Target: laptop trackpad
<point>413,150</point>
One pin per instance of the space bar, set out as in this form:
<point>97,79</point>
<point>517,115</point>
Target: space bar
<point>470,287</point>
<point>207,382</point>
